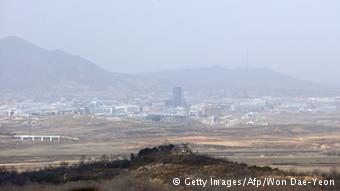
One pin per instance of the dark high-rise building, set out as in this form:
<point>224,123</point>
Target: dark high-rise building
<point>177,95</point>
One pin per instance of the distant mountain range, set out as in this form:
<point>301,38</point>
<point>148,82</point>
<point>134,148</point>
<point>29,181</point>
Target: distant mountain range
<point>247,79</point>
<point>28,68</point>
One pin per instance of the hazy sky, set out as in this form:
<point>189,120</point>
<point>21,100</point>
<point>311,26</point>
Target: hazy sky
<point>297,37</point>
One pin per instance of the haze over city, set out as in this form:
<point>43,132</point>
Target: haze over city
<point>299,38</point>
<point>169,95</point>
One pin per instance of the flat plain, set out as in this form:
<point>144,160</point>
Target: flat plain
<point>303,142</point>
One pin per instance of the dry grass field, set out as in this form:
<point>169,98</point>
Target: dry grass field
<point>306,142</point>
<point>154,169</point>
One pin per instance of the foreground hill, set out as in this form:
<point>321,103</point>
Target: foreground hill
<point>151,169</point>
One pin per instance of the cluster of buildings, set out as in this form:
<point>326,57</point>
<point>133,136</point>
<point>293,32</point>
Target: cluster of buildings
<point>178,106</point>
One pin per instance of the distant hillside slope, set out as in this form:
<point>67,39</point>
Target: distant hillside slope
<point>238,79</point>
<point>26,66</point>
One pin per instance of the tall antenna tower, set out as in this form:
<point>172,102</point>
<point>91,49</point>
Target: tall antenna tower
<point>247,54</point>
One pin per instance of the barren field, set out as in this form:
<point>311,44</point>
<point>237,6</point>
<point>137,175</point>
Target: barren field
<point>303,142</point>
